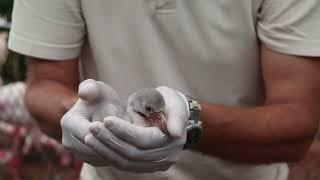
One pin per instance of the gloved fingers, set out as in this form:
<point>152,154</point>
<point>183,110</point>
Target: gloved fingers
<point>129,151</point>
<point>123,163</point>
<point>96,161</point>
<point>176,111</point>
<point>76,125</point>
<point>80,150</point>
<point>93,91</point>
<point>141,137</point>
<point>81,108</point>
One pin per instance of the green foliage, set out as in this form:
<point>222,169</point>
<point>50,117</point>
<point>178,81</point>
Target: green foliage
<point>6,8</point>
<point>14,69</point>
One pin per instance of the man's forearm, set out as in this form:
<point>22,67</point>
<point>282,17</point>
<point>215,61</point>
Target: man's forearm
<point>270,133</point>
<point>48,101</point>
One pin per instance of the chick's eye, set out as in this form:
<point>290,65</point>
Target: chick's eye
<point>148,109</point>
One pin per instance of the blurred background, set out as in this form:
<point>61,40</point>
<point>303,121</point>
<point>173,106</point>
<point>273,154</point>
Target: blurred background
<point>26,153</point>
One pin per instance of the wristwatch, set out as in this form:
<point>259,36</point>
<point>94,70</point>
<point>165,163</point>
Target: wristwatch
<point>194,127</point>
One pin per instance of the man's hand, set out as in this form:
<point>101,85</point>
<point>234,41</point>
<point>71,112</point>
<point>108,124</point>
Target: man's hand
<point>75,123</point>
<point>142,149</point>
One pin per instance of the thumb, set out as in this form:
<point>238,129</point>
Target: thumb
<point>93,91</point>
<point>176,124</point>
<point>176,111</point>
<point>88,90</point>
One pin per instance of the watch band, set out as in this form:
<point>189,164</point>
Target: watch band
<point>194,127</point>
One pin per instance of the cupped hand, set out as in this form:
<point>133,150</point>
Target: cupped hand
<point>76,122</point>
<point>143,149</point>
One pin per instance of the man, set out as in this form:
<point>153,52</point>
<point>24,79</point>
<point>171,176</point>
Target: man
<point>252,65</point>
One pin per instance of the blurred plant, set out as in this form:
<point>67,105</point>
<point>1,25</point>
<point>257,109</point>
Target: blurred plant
<point>6,8</point>
<point>14,68</point>
<point>3,48</point>
<point>12,65</point>
<point>19,128</point>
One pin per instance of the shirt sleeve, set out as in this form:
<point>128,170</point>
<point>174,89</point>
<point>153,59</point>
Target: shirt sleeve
<point>290,26</point>
<point>48,29</point>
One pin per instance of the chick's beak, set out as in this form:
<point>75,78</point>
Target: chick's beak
<point>158,119</point>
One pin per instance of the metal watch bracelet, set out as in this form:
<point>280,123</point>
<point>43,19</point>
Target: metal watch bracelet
<point>194,127</point>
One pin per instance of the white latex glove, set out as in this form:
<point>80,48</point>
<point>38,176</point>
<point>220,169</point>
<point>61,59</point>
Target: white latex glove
<point>143,149</point>
<point>75,123</point>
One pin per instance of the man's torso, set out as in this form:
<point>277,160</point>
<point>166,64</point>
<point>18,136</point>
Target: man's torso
<point>205,48</point>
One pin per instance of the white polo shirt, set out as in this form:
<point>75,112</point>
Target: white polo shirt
<point>206,48</point>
